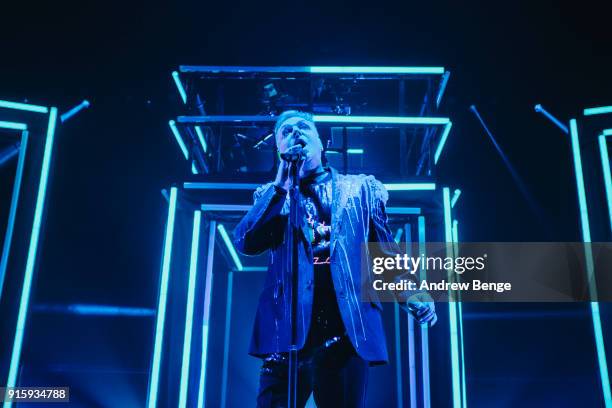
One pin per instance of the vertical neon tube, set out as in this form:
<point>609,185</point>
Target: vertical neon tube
<point>161,305</point>
<point>8,236</point>
<point>206,316</point>
<point>193,271</point>
<point>460,315</point>
<point>424,329</point>
<point>605,163</point>
<point>398,357</point>
<point>32,251</point>
<point>412,378</point>
<point>226,338</point>
<point>452,307</point>
<point>586,237</point>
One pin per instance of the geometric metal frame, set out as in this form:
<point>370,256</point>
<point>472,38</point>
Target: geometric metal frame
<point>32,251</point>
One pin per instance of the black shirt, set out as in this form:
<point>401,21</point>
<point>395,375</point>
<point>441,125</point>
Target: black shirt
<point>316,207</point>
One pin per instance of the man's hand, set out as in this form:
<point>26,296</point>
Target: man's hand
<point>422,308</point>
<point>282,175</point>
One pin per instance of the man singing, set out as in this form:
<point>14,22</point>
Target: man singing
<point>338,333</point>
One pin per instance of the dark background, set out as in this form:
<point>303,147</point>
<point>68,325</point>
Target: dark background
<point>106,215</point>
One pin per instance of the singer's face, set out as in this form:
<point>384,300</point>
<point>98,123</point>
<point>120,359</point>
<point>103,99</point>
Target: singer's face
<point>297,130</point>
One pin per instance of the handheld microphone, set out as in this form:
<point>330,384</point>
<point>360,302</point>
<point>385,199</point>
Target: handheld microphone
<point>294,154</point>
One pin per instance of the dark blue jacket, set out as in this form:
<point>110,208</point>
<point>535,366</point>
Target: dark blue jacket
<point>357,216</point>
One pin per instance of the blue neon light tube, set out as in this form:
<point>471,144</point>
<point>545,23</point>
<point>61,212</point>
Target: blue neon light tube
<point>598,111</point>
<point>13,125</point>
<point>163,299</point>
<point>179,86</point>
<point>605,164</point>
<point>23,106</point>
<point>230,246</point>
<point>586,237</point>
<point>376,70</point>
<point>32,251</point>
<point>452,309</point>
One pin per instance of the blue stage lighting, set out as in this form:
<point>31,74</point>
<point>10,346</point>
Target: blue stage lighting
<point>445,134</point>
<point>410,186</point>
<point>24,107</point>
<point>398,235</point>
<point>598,111</point>
<point>390,120</point>
<point>424,328</point>
<point>455,198</point>
<point>32,251</point>
<point>540,109</point>
<point>348,151</point>
<point>586,237</point>
<point>161,305</point>
<point>212,229</point>
<point>230,247</point>
<point>443,84</point>
<point>8,236</point>
<point>377,70</point>
<point>179,138</point>
<point>201,138</point>
<point>13,125</point>
<point>179,86</point>
<point>605,163</point>
<point>452,308</point>
<point>193,271</point>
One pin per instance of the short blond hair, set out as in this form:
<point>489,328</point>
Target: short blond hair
<point>289,114</point>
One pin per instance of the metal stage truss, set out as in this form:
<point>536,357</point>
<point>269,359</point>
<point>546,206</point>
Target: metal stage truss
<point>223,129</point>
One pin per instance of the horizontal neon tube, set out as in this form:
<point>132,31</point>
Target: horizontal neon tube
<point>13,125</point>
<point>220,186</point>
<point>607,132</point>
<point>404,210</point>
<point>400,120</point>
<point>598,111</point>
<point>230,246</point>
<point>349,151</point>
<point>377,70</point>
<point>410,186</point>
<point>178,138</point>
<point>23,106</point>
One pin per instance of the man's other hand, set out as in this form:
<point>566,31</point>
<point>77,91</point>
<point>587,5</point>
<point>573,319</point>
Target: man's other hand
<point>422,308</point>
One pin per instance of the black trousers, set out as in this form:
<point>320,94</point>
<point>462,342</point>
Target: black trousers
<point>335,374</point>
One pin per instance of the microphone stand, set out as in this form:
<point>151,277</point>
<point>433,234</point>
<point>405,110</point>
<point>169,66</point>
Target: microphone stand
<point>294,225</point>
